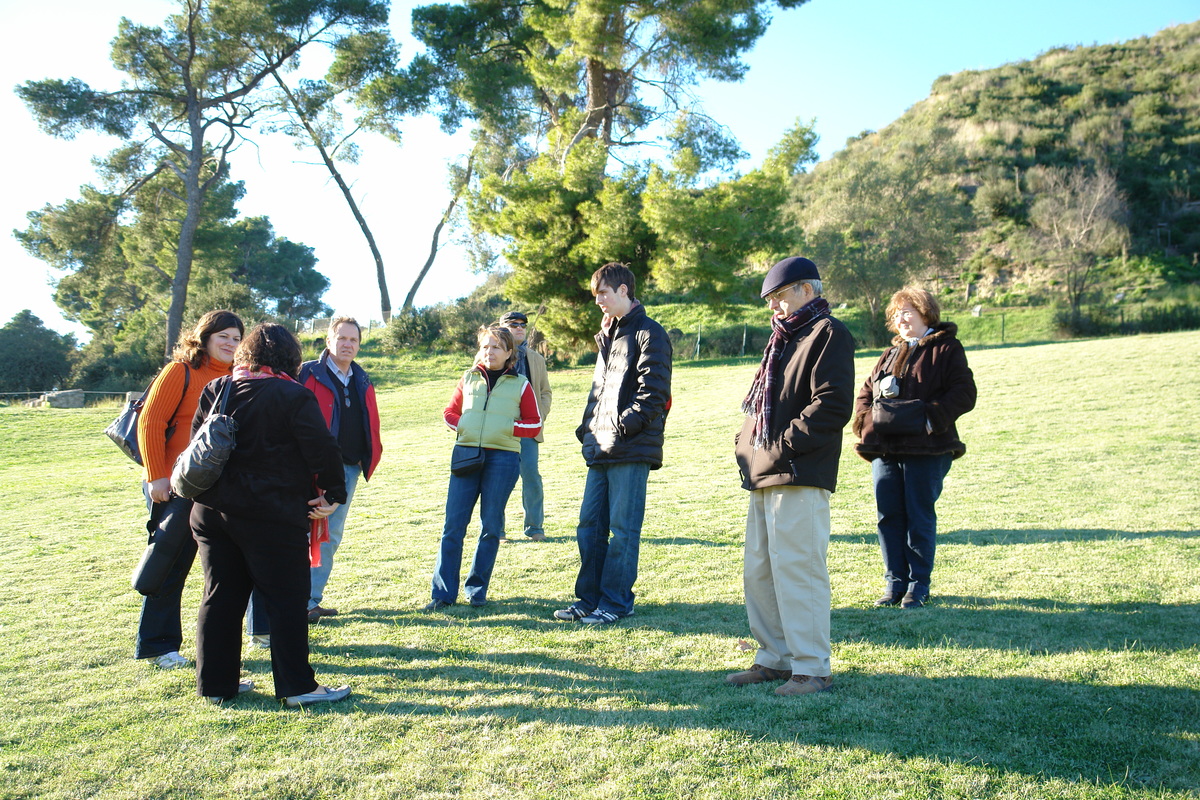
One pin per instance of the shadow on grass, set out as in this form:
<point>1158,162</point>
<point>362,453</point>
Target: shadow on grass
<point>1071,729</point>
<point>1023,625</point>
<point>1002,536</point>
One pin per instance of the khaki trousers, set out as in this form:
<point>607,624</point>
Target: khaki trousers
<point>787,578</point>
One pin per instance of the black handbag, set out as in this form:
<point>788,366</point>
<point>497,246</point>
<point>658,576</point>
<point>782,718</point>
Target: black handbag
<point>123,429</point>
<point>170,535</point>
<point>895,417</point>
<point>466,460</point>
<point>201,462</point>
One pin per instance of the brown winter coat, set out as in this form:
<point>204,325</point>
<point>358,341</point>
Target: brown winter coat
<point>812,403</point>
<point>934,371</point>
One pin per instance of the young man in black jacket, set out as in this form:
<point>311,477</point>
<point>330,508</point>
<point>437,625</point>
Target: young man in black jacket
<point>622,438</point>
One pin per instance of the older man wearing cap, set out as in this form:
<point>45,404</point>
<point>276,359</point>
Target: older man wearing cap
<point>788,451</point>
<point>530,364</point>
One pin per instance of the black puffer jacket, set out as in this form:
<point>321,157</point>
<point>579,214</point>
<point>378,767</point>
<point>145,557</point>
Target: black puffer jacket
<point>626,409</point>
<point>935,372</point>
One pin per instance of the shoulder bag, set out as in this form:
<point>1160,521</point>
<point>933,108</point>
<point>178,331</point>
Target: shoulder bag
<point>123,429</point>
<point>466,460</point>
<point>202,461</point>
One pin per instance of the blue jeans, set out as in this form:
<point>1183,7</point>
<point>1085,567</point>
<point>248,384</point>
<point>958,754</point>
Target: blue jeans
<point>906,489</point>
<point>614,500</point>
<point>531,487</point>
<point>491,486</point>
<point>337,525</point>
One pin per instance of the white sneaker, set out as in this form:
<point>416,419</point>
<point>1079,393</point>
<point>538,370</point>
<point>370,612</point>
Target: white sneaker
<point>322,694</point>
<point>261,640</point>
<point>171,660</point>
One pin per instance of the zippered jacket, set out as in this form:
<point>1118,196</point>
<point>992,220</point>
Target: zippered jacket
<point>626,411</point>
<point>316,377</point>
<point>496,416</point>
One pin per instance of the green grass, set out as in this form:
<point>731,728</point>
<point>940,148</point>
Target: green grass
<point>1060,659</point>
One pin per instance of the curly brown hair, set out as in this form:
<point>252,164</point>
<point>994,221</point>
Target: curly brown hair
<point>920,299</point>
<point>193,345</point>
<point>269,345</point>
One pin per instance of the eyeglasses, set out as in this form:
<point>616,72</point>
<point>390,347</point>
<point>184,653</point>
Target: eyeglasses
<point>516,324</point>
<point>907,313</point>
<point>779,294</point>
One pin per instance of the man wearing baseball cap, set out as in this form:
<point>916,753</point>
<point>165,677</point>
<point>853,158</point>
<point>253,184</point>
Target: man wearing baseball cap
<point>787,452</point>
<point>532,365</point>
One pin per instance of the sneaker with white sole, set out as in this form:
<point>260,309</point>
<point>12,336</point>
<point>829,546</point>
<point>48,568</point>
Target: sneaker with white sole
<point>261,640</point>
<point>570,614</point>
<point>243,687</point>
<point>171,660</point>
<point>599,617</point>
<point>322,694</point>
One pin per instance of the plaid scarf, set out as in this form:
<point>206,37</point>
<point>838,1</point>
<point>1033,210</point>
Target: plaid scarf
<point>759,401</point>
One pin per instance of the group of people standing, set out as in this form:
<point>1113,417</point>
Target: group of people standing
<point>268,531</point>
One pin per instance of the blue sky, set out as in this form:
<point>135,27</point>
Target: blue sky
<point>852,66</point>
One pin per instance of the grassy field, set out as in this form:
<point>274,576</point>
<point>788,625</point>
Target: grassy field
<point>1059,659</point>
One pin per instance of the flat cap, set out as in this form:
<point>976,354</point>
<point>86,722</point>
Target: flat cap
<point>789,271</point>
<point>514,316</point>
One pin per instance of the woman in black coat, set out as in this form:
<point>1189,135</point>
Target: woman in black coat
<point>252,526</point>
<point>925,373</point>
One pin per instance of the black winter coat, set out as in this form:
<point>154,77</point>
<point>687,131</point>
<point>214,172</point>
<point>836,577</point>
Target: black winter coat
<point>936,372</point>
<point>282,441</point>
<point>814,394</point>
<point>626,409</point>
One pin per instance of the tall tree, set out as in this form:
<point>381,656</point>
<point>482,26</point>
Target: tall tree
<point>1078,218</point>
<point>193,86</point>
<point>117,250</point>
<point>33,358</point>
<point>742,219</point>
<point>883,217</point>
<point>559,90</point>
<point>365,71</point>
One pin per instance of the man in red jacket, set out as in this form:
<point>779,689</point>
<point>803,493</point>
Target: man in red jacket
<point>347,400</point>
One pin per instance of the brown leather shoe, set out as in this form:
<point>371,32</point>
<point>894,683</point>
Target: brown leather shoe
<point>316,612</point>
<point>804,684</point>
<point>758,674</point>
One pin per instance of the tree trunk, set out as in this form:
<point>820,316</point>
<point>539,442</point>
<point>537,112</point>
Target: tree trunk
<point>385,300</point>
<point>437,232</point>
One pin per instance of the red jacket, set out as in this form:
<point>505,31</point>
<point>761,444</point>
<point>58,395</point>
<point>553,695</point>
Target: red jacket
<point>314,375</point>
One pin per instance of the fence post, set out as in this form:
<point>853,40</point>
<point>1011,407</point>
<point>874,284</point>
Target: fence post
<point>699,330</point>
<point>744,327</point>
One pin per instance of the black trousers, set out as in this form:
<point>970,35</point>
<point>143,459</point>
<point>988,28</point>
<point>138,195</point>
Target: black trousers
<point>239,555</point>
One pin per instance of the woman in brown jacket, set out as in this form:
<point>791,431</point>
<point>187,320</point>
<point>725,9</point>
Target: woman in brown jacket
<point>904,418</point>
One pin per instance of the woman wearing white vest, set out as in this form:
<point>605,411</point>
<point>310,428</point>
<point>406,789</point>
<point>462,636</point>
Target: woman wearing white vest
<point>492,408</point>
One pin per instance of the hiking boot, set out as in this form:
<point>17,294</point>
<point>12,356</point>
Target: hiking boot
<point>890,599</point>
<point>804,684</point>
<point>915,598</point>
<point>758,674</point>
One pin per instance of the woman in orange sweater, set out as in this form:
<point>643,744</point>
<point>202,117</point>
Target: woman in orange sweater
<point>202,355</point>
